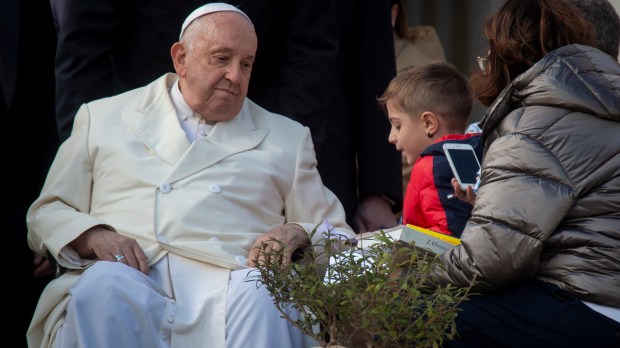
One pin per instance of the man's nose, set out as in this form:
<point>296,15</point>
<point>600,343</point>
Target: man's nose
<point>234,73</point>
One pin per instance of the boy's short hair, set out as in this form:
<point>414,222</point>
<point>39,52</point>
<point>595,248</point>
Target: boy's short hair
<point>437,87</point>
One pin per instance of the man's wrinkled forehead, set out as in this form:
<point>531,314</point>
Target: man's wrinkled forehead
<point>207,9</point>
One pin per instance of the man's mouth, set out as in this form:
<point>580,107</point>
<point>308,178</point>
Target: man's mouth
<point>226,90</point>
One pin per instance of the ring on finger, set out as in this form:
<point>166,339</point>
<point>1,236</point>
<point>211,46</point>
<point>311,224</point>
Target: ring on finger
<point>119,257</point>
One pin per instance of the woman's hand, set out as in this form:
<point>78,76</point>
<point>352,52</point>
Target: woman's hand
<point>468,196</point>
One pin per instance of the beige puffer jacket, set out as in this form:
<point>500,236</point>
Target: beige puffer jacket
<point>549,202</point>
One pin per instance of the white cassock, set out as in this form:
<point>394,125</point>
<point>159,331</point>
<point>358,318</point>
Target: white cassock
<point>165,318</point>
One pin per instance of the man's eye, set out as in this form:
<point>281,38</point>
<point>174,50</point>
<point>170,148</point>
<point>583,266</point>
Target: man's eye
<point>219,59</point>
<point>246,67</point>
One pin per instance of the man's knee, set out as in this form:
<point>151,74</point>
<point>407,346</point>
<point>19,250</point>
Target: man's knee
<point>102,281</point>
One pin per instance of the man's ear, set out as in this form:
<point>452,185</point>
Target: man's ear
<point>431,123</point>
<point>179,55</point>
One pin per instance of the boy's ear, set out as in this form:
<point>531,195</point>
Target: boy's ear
<point>431,123</point>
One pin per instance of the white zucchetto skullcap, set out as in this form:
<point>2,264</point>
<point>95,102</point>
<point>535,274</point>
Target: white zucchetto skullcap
<point>210,8</point>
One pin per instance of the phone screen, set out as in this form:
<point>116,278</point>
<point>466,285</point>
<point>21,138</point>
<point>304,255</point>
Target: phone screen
<point>465,164</point>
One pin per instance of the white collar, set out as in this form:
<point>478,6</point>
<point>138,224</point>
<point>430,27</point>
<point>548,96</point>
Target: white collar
<point>183,110</point>
<point>193,125</point>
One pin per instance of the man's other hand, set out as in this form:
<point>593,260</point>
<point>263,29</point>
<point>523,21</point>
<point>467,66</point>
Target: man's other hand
<point>289,237</point>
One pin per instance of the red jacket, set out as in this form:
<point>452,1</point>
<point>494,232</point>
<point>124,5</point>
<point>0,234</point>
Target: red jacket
<point>426,202</point>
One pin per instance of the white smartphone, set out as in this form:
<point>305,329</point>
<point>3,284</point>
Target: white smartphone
<point>464,163</point>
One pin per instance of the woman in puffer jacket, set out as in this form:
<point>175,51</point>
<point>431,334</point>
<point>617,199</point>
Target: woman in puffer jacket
<point>543,242</point>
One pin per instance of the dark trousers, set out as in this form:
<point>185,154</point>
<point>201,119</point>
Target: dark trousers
<point>533,314</point>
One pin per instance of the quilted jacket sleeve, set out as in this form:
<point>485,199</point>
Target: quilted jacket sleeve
<point>524,196</point>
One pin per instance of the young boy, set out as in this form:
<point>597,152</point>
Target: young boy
<point>428,106</point>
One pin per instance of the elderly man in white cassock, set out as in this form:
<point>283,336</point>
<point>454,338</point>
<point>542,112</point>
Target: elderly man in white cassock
<point>156,203</point>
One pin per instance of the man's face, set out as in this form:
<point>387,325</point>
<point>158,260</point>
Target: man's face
<point>215,69</point>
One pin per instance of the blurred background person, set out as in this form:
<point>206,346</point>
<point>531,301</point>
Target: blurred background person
<point>606,22</point>
<point>27,107</point>
<point>354,159</point>
<point>413,45</point>
<point>107,47</point>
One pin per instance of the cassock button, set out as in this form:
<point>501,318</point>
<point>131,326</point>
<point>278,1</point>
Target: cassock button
<point>242,260</point>
<point>165,187</point>
<point>215,188</point>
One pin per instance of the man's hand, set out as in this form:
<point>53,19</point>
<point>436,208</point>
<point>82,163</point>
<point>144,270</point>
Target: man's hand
<point>468,196</point>
<point>106,245</point>
<point>373,213</point>
<point>290,236</point>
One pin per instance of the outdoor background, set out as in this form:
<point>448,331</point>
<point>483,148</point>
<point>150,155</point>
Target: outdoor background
<point>459,26</point>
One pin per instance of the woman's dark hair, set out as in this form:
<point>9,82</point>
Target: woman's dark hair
<point>521,33</point>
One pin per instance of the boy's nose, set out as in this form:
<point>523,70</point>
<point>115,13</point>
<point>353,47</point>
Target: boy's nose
<point>391,138</point>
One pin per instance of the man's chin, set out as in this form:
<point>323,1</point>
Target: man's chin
<point>224,111</point>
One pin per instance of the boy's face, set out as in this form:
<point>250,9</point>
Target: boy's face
<point>408,133</point>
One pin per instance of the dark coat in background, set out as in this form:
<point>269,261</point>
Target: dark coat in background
<point>324,63</point>
<point>27,45</point>
<point>355,157</point>
<point>107,47</point>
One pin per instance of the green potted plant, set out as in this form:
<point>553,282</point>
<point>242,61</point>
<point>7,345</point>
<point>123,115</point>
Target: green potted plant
<point>380,296</point>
